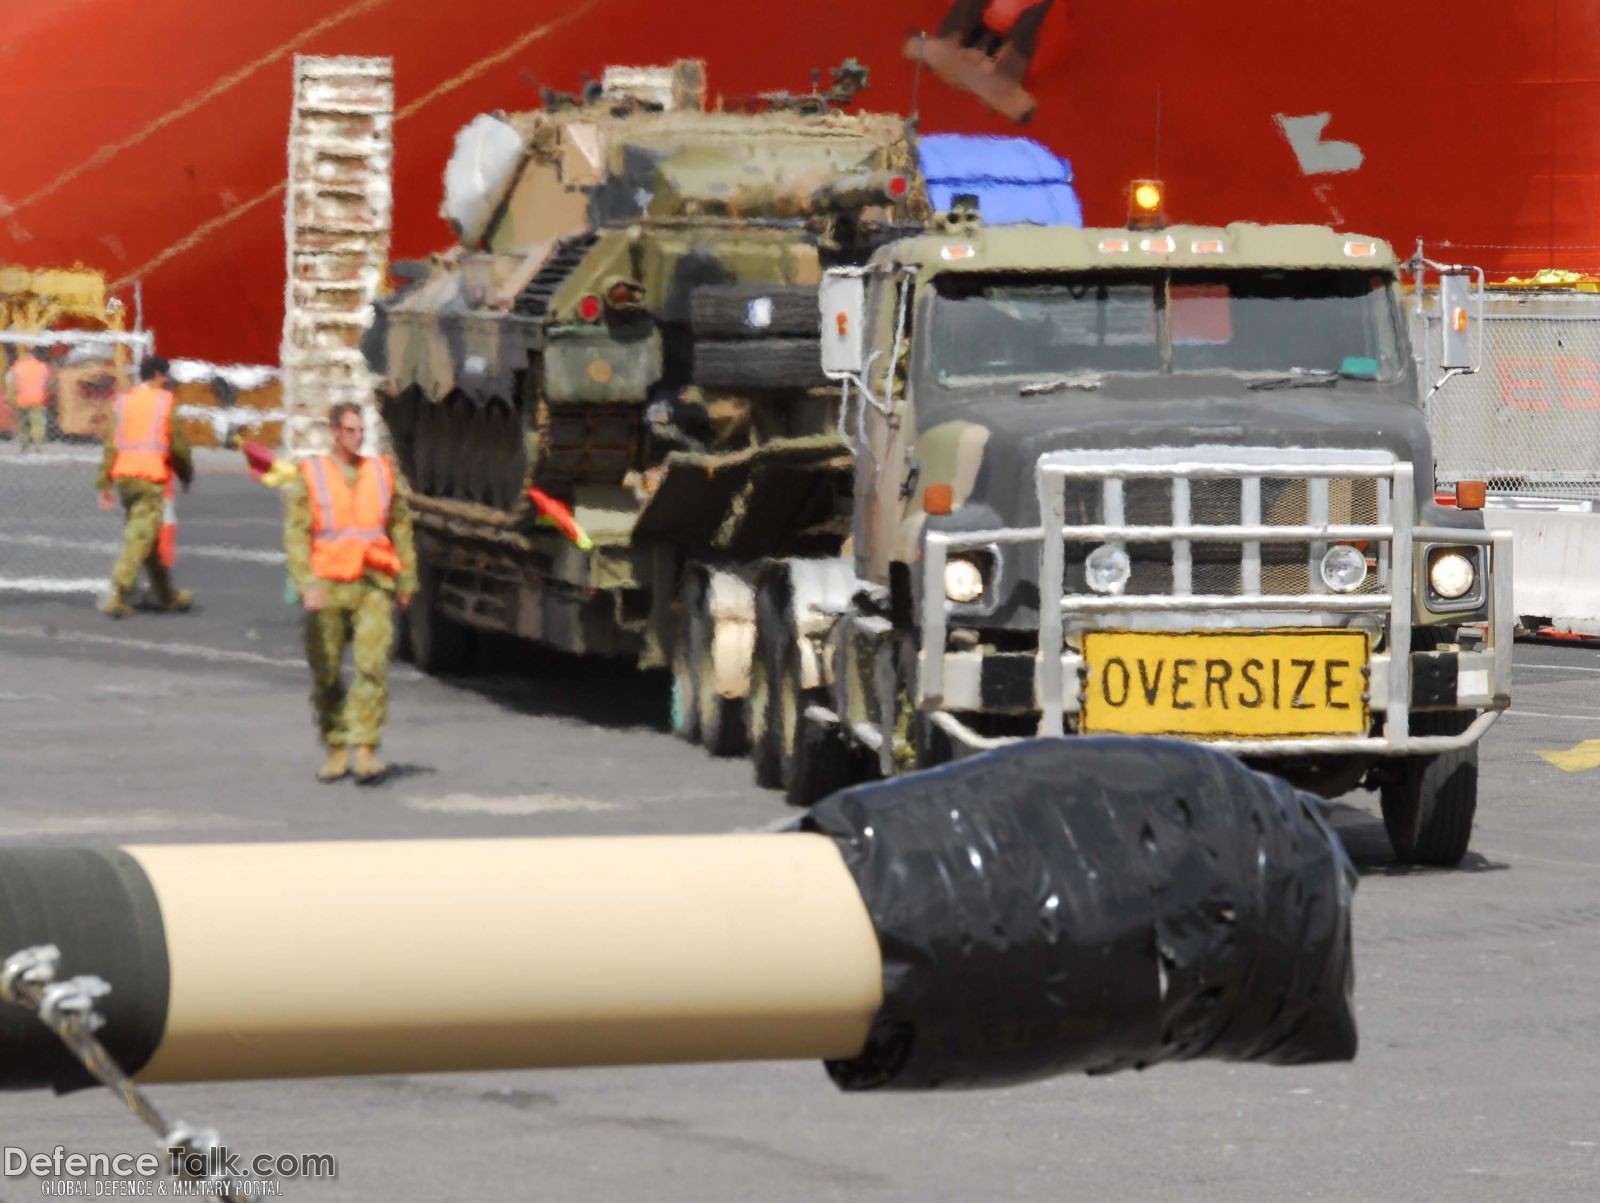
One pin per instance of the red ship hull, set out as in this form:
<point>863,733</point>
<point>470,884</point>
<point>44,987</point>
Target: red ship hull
<point>149,140</point>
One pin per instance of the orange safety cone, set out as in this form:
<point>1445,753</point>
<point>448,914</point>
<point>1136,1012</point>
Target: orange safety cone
<point>167,543</point>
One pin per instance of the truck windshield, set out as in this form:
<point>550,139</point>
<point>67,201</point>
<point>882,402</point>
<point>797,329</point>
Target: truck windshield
<point>1335,322</point>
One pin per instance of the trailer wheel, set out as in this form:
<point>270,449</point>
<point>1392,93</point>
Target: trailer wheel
<point>823,764</point>
<point>720,719</point>
<point>438,644</point>
<point>1428,808</point>
<point>775,705</point>
<point>686,664</point>
<point>918,744</point>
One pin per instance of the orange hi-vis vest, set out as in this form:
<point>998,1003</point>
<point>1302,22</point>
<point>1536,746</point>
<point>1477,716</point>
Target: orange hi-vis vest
<point>32,377</point>
<point>349,527</point>
<point>144,434</point>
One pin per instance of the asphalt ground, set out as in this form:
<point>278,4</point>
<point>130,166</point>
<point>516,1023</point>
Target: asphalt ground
<point>1478,1076</point>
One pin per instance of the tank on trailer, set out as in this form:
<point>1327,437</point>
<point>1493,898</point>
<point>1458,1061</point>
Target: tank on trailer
<point>615,371</point>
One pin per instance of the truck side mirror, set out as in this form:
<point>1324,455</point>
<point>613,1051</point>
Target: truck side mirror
<point>842,302</point>
<point>1460,313</point>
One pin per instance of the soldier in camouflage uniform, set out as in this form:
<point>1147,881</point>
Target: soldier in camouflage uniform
<point>136,466</point>
<point>354,611</point>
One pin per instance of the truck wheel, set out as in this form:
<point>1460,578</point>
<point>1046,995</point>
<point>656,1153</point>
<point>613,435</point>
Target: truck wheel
<point>918,744</point>
<point>402,638</point>
<point>721,720</point>
<point>823,764</point>
<point>1428,809</point>
<point>686,664</point>
<point>775,705</point>
<point>438,644</point>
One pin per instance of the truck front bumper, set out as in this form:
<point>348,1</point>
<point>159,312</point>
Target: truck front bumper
<point>952,683</point>
<point>998,683</point>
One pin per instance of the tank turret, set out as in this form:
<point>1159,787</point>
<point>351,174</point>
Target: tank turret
<point>635,246</point>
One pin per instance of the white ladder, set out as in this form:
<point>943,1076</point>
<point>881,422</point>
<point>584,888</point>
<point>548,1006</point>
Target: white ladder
<point>337,224</point>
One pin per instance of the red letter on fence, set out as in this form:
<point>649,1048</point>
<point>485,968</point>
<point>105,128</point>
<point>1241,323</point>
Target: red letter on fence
<point>1578,381</point>
<point>1523,384</point>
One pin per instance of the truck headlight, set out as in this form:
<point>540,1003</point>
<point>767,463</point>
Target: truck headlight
<point>1451,574</point>
<point>963,581</point>
<point>1343,568</point>
<point>1107,569</point>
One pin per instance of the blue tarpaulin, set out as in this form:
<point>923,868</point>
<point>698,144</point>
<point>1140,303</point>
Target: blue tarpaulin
<point>1016,180</point>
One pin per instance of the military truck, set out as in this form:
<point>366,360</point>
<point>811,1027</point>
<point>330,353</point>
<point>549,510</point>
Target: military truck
<point>884,487</point>
<point>608,400</point>
<point>1157,481</point>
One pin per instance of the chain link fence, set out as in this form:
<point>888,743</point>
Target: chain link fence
<point>1528,422</point>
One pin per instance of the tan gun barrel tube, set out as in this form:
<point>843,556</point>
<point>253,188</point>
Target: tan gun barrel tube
<point>313,959</point>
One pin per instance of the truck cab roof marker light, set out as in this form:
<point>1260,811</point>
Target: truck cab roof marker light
<point>1158,246</point>
<point>956,252</point>
<point>1114,246</point>
<point>1207,246</point>
<point>1361,250</point>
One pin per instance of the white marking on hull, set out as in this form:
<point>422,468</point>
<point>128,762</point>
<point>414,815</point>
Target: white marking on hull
<point>1318,156</point>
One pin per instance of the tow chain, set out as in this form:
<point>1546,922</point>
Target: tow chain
<point>28,980</point>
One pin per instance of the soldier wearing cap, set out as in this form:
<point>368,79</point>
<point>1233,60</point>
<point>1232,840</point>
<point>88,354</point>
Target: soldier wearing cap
<point>352,558</point>
<point>144,449</point>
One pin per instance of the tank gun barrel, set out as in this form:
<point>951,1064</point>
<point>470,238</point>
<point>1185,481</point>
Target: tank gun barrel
<point>861,190</point>
<point>1058,905</point>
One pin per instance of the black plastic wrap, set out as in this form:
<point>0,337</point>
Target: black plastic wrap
<point>1095,904</point>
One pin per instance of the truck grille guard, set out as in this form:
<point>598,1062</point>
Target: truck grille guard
<point>1395,535</point>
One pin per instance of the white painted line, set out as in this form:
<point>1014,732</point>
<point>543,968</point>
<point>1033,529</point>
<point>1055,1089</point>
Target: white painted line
<point>189,651</point>
<point>525,804</point>
<point>13,823</point>
<point>243,555</point>
<point>52,457</point>
<point>1502,854</point>
<point>51,584</point>
<point>1553,668</point>
<point>777,825</point>
<point>1577,718</point>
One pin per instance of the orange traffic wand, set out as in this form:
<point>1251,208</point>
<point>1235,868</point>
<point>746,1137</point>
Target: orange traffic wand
<point>556,513</point>
<point>258,458</point>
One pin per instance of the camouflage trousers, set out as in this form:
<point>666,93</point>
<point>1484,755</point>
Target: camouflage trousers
<point>363,615</point>
<point>31,427</point>
<point>141,534</point>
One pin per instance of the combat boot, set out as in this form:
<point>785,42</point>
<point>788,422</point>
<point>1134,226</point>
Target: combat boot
<point>369,769</point>
<point>335,767</point>
<point>178,601</point>
<point>116,604</point>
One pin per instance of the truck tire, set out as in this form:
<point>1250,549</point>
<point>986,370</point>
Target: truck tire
<point>1428,807</point>
<point>721,719</point>
<point>823,764</point>
<point>685,664</point>
<point>439,645</point>
<point>775,705</point>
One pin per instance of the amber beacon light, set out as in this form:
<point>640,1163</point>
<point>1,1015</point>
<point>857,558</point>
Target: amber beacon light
<point>1145,201</point>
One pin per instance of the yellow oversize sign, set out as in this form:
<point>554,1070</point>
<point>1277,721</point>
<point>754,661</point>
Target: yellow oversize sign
<point>1222,684</point>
